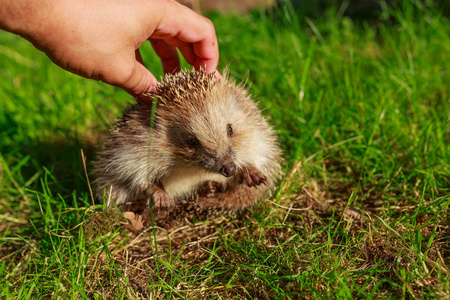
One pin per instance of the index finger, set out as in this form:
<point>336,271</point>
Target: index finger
<point>184,26</point>
<point>207,55</point>
<point>206,49</point>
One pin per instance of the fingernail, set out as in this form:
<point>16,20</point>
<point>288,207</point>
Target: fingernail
<point>147,96</point>
<point>218,75</point>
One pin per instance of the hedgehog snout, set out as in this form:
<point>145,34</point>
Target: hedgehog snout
<point>228,169</point>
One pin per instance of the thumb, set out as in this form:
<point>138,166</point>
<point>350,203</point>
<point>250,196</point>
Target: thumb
<point>140,82</point>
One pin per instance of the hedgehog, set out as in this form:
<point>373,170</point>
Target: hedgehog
<point>198,137</point>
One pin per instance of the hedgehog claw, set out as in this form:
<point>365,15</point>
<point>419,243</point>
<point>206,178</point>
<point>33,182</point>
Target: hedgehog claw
<point>160,202</point>
<point>263,180</point>
<point>162,211</point>
<point>253,177</point>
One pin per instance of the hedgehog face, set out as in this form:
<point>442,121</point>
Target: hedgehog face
<point>205,135</point>
<point>211,150</point>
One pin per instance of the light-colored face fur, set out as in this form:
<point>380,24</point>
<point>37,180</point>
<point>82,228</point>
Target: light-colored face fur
<point>214,133</point>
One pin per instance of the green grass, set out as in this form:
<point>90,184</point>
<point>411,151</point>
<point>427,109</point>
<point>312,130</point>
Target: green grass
<point>362,109</point>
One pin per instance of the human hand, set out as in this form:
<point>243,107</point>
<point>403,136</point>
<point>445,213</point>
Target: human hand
<point>99,39</point>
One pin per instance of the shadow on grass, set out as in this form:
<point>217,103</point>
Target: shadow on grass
<point>43,181</point>
<point>59,156</point>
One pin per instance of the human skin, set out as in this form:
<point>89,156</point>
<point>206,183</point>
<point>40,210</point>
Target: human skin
<point>99,39</point>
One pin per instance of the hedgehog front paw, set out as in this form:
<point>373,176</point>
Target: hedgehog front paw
<point>210,188</point>
<point>160,201</point>
<point>253,177</point>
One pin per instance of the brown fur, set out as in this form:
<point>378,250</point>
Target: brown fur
<point>209,139</point>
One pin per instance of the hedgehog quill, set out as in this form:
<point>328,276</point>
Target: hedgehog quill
<point>209,140</point>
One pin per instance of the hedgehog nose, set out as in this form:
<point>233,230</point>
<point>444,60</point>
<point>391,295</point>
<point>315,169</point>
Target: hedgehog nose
<point>228,170</point>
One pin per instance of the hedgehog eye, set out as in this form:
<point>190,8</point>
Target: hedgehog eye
<point>229,130</point>
<point>191,141</point>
